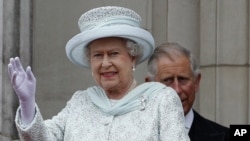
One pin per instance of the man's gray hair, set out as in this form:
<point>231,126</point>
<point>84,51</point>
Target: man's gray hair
<point>170,50</point>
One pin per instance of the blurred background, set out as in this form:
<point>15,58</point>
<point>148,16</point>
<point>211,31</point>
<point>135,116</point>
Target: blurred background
<point>216,31</point>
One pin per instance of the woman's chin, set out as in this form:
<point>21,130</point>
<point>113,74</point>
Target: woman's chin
<point>108,85</point>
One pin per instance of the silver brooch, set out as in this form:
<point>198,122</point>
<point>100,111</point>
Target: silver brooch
<point>143,103</point>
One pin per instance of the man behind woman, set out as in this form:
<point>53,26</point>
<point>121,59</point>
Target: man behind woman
<point>176,67</point>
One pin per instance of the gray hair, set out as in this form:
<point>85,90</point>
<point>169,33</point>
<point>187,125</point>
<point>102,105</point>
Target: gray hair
<point>170,50</point>
<point>133,48</point>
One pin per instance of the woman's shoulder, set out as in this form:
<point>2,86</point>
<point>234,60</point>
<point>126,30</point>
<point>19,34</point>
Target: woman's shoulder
<point>160,88</point>
<point>163,93</point>
<point>84,93</point>
<point>80,95</point>
<point>78,98</point>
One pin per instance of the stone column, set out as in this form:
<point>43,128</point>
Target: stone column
<point>1,64</point>
<point>183,24</point>
<point>15,40</point>
<point>9,45</point>
<point>224,57</point>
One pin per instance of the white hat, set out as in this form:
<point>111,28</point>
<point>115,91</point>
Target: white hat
<point>109,21</point>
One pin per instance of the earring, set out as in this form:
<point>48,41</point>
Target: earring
<point>133,68</point>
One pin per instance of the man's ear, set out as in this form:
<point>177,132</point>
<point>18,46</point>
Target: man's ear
<point>197,82</point>
<point>147,79</point>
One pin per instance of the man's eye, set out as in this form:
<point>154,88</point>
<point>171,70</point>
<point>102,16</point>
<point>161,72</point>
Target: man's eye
<point>168,81</point>
<point>183,80</point>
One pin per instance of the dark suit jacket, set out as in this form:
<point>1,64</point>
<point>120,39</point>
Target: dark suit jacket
<point>206,130</point>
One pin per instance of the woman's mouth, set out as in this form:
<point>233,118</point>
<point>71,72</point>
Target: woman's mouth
<point>108,74</point>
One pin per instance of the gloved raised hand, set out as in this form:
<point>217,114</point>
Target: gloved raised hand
<point>24,84</point>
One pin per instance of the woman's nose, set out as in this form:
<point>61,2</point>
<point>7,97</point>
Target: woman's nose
<point>106,61</point>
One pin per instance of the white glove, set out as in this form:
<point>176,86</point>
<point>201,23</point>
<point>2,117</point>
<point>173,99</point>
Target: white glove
<point>24,84</point>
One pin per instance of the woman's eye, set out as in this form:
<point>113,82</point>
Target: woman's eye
<point>97,55</point>
<point>114,53</point>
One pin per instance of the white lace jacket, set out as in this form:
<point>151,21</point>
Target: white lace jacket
<point>161,119</point>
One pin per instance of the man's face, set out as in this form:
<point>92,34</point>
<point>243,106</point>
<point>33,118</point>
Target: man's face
<point>177,74</point>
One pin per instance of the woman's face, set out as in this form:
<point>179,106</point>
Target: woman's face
<point>111,64</point>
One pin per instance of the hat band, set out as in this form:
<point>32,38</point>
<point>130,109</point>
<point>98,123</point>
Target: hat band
<point>119,20</point>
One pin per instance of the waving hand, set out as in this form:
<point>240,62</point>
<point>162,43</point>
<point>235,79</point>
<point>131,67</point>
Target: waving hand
<point>24,84</point>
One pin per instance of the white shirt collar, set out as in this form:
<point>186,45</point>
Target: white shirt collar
<point>189,119</point>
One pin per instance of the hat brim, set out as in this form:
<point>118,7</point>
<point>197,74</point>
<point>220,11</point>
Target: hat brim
<point>76,45</point>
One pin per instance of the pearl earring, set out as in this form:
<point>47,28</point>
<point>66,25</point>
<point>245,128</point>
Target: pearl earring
<point>133,68</point>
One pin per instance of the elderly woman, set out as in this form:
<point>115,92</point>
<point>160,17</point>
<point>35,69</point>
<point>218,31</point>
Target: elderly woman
<point>111,44</point>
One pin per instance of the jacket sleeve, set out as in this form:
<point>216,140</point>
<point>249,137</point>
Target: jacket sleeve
<point>44,130</point>
<point>35,131</point>
<point>172,124</point>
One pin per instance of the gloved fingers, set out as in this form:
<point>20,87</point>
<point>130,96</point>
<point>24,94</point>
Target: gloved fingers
<point>13,64</point>
<point>16,72</point>
<point>18,64</point>
<point>10,70</point>
<point>12,74</point>
<point>14,79</point>
<point>30,74</point>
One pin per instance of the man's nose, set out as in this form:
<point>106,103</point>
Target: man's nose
<point>176,86</point>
